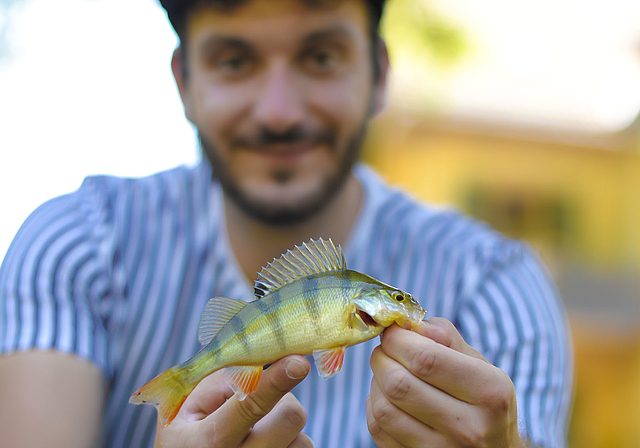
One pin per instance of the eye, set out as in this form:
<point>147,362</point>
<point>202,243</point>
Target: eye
<point>321,61</point>
<point>323,58</point>
<point>232,64</point>
<point>398,296</point>
<point>235,65</point>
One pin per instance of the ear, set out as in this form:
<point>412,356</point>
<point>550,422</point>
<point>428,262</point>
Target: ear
<point>178,69</point>
<point>380,88</point>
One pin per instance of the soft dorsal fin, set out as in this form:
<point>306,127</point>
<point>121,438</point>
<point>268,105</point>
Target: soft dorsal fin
<point>217,312</point>
<point>311,258</point>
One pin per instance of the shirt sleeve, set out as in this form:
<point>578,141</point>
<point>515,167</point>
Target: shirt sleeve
<point>55,278</point>
<point>515,318</point>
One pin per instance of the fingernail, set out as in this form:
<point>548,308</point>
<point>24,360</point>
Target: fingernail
<point>295,370</point>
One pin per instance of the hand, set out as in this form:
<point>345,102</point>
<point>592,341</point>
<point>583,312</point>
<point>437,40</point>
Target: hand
<point>212,416</point>
<point>430,388</point>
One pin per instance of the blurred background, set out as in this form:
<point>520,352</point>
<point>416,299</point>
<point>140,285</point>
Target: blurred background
<point>523,114</point>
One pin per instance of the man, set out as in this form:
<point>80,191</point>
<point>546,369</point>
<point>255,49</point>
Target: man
<point>105,286</point>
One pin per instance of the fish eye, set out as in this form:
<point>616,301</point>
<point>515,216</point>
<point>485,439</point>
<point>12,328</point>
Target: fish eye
<point>398,296</point>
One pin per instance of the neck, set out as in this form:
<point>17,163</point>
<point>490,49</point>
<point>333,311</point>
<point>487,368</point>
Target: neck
<point>255,244</point>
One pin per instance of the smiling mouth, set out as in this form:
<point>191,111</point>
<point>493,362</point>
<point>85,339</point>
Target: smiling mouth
<point>284,151</point>
<point>286,148</point>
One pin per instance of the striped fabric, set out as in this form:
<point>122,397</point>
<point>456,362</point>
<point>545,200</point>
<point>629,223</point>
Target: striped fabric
<point>119,272</point>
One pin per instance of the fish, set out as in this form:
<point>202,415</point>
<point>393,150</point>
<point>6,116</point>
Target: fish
<point>306,302</point>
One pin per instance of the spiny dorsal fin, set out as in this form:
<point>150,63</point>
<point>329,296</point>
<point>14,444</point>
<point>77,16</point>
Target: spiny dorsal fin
<point>311,258</point>
<point>217,312</point>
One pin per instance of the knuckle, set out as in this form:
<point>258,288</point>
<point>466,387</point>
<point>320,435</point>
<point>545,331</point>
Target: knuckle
<point>302,441</point>
<point>281,384</point>
<point>374,428</point>
<point>397,385</point>
<point>383,412</point>
<point>282,389</point>
<point>501,396</point>
<point>250,410</point>
<point>425,361</point>
<point>503,401</point>
<point>469,435</point>
<point>376,353</point>
<point>472,438</point>
<point>296,416</point>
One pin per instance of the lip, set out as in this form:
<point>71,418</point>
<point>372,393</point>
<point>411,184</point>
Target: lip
<point>283,152</point>
<point>285,148</point>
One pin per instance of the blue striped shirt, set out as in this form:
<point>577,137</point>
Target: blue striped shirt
<point>119,272</point>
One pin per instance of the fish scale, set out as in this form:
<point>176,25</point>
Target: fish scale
<point>307,302</point>
<point>298,323</point>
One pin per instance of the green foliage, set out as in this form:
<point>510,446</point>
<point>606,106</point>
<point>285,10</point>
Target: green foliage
<point>416,27</point>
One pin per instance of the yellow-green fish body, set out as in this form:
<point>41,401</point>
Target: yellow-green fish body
<point>307,303</point>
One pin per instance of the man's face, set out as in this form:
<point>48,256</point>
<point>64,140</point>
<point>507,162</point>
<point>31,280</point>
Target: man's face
<point>280,92</point>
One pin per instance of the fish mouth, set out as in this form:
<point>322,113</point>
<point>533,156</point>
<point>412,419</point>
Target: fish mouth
<point>412,324</point>
<point>415,319</point>
<point>367,319</point>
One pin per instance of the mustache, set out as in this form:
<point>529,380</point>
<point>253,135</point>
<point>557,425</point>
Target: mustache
<point>267,137</point>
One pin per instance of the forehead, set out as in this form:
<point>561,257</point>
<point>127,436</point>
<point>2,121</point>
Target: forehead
<point>268,21</point>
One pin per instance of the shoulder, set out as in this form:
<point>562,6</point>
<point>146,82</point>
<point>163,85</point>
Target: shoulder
<point>401,222</point>
<point>91,217</point>
<point>438,253</point>
<point>168,185</point>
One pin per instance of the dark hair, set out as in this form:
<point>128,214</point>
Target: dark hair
<point>178,12</point>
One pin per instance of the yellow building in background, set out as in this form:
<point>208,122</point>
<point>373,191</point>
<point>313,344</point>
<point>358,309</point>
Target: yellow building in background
<point>521,114</point>
<point>576,199</point>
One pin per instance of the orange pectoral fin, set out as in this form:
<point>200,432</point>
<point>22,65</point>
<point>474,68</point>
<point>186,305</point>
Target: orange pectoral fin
<point>329,362</point>
<point>243,379</point>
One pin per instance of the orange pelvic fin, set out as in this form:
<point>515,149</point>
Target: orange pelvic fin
<point>166,392</point>
<point>329,362</point>
<point>243,379</point>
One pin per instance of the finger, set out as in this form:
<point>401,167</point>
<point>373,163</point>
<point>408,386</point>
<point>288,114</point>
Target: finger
<point>302,441</point>
<point>211,393</point>
<point>280,427</point>
<point>380,437</point>
<point>397,424</point>
<point>444,332</point>
<point>458,374</point>
<point>424,403</point>
<point>230,424</point>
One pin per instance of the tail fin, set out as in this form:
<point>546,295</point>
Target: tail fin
<point>166,392</point>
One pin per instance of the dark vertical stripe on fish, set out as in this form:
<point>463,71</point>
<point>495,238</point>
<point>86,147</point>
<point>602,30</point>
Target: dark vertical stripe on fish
<point>272,315</point>
<point>239,326</point>
<point>310,300</point>
<point>275,321</point>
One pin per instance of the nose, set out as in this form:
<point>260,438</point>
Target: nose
<point>280,104</point>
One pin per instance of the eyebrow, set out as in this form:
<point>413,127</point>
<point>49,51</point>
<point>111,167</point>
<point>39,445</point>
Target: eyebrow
<point>212,42</point>
<point>337,31</point>
<point>216,41</point>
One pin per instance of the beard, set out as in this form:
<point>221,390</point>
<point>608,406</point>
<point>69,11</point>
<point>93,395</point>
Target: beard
<point>280,215</point>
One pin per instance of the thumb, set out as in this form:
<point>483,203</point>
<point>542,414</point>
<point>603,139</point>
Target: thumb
<point>230,424</point>
<point>445,333</point>
<point>211,393</point>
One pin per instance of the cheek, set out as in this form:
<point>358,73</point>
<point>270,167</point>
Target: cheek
<point>217,109</point>
<point>344,103</point>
